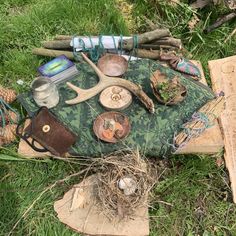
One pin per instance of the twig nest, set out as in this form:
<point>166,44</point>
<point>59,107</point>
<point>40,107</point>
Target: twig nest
<point>112,65</point>
<point>167,91</point>
<point>115,98</point>
<point>128,185</point>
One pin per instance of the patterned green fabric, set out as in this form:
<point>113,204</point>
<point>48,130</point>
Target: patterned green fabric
<point>151,133</point>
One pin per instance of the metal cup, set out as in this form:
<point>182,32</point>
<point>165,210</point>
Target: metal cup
<point>45,92</point>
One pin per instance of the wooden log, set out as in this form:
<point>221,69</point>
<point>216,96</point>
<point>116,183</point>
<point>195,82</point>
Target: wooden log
<point>52,53</point>
<point>169,41</point>
<point>57,44</point>
<point>143,53</point>
<point>156,47</point>
<point>220,22</point>
<point>146,38</point>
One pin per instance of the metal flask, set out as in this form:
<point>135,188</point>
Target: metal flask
<point>45,92</point>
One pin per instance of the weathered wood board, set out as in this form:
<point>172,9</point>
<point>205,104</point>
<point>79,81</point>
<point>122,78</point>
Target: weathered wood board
<point>223,77</point>
<point>209,142</point>
<point>86,217</point>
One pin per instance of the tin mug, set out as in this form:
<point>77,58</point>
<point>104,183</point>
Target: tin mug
<point>45,92</point>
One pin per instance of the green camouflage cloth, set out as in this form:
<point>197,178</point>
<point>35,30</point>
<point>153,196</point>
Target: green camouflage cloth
<point>151,133</point>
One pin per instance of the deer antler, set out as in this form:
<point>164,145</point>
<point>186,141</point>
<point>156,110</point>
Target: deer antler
<point>104,82</point>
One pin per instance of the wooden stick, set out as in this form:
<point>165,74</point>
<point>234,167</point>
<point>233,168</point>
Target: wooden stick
<point>146,38</point>
<point>169,41</point>
<point>143,53</point>
<point>57,44</point>
<point>220,22</point>
<point>156,47</point>
<point>52,53</point>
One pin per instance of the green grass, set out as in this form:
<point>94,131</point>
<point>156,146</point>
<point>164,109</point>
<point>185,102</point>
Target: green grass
<point>193,196</point>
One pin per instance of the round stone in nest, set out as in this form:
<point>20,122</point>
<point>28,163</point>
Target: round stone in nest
<point>111,126</point>
<point>115,98</point>
<point>112,65</point>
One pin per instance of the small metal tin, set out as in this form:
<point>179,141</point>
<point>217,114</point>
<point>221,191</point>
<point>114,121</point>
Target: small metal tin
<point>45,92</point>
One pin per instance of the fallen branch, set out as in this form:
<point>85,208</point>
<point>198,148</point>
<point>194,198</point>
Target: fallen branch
<point>220,22</point>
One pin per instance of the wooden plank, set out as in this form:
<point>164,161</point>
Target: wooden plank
<point>223,77</point>
<point>209,142</point>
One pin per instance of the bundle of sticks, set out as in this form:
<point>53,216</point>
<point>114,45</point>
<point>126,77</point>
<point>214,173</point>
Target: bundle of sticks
<point>150,45</point>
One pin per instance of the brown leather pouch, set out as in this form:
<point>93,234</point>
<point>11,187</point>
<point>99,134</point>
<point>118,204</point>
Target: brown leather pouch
<point>49,132</point>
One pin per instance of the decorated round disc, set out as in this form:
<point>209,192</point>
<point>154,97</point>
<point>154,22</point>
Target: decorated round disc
<point>111,126</point>
<point>115,98</point>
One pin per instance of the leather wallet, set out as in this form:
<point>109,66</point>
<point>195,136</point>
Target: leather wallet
<point>49,132</point>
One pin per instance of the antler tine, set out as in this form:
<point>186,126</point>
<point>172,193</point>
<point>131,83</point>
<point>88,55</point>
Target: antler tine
<point>95,68</point>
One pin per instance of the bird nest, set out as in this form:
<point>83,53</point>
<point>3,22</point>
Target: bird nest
<point>124,181</point>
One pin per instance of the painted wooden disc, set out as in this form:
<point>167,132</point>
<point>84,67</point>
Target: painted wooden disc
<point>111,126</point>
<point>115,98</point>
